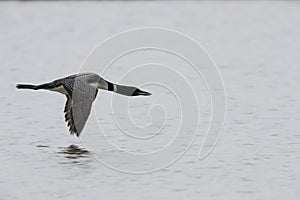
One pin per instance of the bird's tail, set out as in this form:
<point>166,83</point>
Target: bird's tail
<point>25,86</point>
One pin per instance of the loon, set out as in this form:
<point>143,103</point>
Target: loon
<point>81,91</point>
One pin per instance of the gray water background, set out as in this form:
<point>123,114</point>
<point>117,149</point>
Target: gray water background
<point>256,46</point>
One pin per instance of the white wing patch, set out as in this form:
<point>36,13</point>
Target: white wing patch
<point>60,89</point>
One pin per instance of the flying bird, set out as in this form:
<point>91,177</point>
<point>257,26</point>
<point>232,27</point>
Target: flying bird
<point>81,91</point>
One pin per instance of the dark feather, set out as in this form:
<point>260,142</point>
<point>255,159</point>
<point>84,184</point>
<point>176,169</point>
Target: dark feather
<point>78,106</point>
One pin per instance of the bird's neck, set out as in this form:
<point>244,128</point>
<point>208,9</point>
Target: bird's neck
<point>110,86</point>
<point>120,89</point>
<point>123,89</point>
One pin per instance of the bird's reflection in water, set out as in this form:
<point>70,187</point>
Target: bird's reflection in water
<point>73,152</point>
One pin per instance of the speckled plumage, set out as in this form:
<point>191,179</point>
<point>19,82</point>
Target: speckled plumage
<point>81,91</point>
<point>80,96</point>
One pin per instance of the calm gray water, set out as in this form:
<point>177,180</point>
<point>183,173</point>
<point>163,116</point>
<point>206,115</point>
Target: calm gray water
<point>256,46</point>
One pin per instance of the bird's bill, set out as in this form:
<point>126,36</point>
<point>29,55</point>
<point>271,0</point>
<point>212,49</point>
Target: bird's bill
<point>139,92</point>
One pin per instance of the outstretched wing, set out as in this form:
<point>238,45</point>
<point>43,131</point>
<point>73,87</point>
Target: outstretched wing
<point>78,106</point>
<point>69,115</point>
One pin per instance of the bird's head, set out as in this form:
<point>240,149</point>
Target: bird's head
<point>130,91</point>
<point>138,92</point>
<point>99,83</point>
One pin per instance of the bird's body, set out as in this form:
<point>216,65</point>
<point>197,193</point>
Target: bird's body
<point>81,91</point>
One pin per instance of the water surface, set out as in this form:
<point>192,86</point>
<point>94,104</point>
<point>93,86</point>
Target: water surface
<point>256,46</point>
